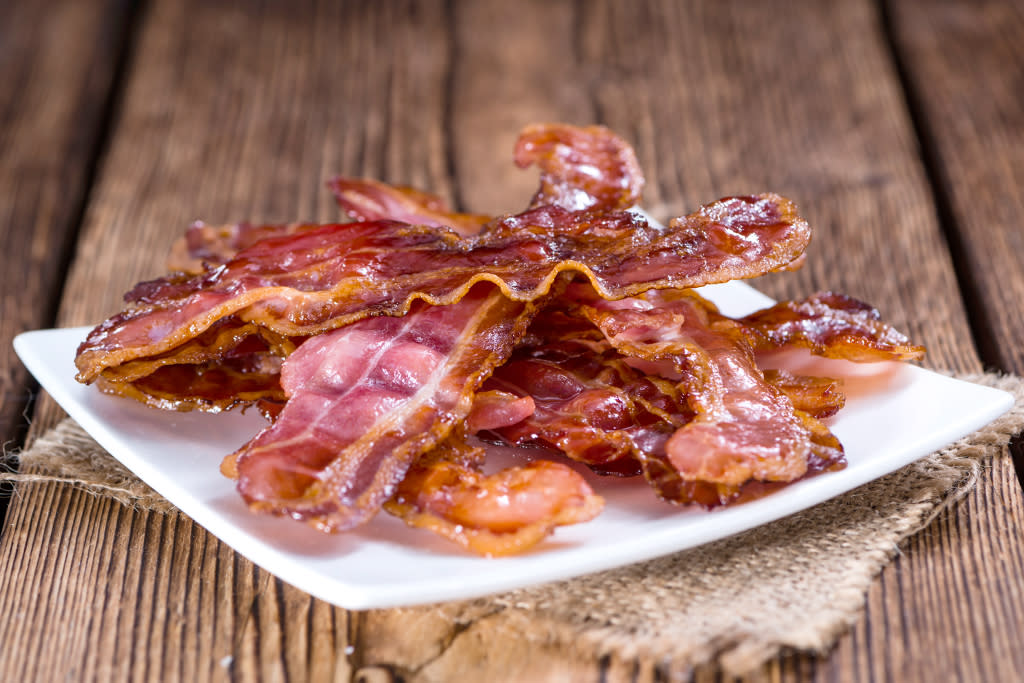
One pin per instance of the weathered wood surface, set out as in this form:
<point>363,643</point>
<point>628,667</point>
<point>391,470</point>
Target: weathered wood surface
<point>964,71</point>
<point>964,64</point>
<point>233,112</point>
<point>57,66</point>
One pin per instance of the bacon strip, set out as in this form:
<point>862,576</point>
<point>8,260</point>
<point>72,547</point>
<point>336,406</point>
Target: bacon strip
<point>492,515</point>
<point>581,168</point>
<point>228,338</point>
<point>203,245</point>
<point>364,401</point>
<point>830,325</point>
<point>370,200</point>
<point>316,281</point>
<point>589,404</point>
<point>744,430</point>
<point>211,387</point>
<point>818,396</point>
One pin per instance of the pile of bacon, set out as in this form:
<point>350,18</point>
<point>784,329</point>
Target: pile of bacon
<point>386,350</point>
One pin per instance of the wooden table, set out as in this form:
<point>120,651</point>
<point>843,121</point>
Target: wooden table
<point>898,127</point>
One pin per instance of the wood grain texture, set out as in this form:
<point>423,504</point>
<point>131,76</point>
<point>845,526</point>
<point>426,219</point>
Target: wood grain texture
<point>242,111</point>
<point>964,62</point>
<point>57,65</point>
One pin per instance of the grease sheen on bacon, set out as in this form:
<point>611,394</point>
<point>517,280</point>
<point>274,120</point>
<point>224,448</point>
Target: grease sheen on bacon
<point>589,403</point>
<point>309,283</point>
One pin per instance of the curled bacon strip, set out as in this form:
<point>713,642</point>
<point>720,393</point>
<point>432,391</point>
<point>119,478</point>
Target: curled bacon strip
<point>493,515</point>
<point>227,339</point>
<point>205,245</point>
<point>364,401</point>
<point>493,409</point>
<point>316,281</point>
<point>581,168</point>
<point>211,387</point>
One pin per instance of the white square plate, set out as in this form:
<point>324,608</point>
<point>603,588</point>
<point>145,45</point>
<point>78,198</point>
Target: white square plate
<point>894,415</point>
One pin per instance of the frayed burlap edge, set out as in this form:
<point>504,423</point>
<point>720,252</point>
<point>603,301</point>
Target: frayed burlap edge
<point>796,583</point>
<point>66,454</point>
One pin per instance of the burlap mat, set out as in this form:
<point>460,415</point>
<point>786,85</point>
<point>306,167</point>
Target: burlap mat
<point>796,583</point>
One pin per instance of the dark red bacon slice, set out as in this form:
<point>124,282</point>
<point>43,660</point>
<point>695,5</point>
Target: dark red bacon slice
<point>744,429</point>
<point>315,281</point>
<point>370,200</point>
<point>581,168</point>
<point>830,325</point>
<point>365,400</point>
<point>589,404</point>
<point>587,421</point>
<point>504,513</point>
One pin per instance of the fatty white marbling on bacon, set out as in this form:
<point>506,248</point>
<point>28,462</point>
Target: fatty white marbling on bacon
<point>364,401</point>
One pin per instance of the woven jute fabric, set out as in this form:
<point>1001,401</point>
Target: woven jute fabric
<point>795,583</point>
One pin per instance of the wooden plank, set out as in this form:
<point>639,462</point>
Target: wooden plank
<point>964,65</point>
<point>57,62</point>
<point>233,112</point>
<point>964,69</point>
